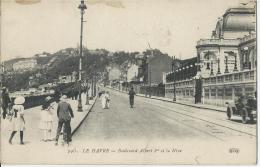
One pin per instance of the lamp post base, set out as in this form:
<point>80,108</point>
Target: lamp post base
<point>80,106</point>
<point>174,99</point>
<point>87,101</point>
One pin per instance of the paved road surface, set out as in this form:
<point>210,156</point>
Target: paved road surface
<point>153,120</point>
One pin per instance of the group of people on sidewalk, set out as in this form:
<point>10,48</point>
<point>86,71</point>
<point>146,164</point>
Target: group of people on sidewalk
<point>14,112</point>
<point>15,115</point>
<point>64,115</point>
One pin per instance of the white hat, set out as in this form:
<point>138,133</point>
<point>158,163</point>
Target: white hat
<point>19,100</point>
<point>64,97</point>
<point>48,98</point>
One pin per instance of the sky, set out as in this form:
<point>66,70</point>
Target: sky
<point>173,26</point>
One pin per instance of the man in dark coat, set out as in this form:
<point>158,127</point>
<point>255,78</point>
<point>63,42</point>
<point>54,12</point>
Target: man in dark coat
<point>6,101</point>
<point>64,113</point>
<point>131,97</point>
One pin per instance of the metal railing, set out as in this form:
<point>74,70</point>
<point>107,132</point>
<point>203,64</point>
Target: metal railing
<point>218,42</point>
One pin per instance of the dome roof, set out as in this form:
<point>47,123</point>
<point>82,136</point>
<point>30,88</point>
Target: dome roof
<point>239,19</point>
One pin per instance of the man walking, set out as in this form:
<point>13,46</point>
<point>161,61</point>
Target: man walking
<point>64,113</point>
<point>6,101</point>
<point>131,97</point>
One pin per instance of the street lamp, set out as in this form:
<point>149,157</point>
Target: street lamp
<point>245,58</point>
<point>82,7</point>
<point>235,66</point>
<point>150,72</point>
<point>226,62</point>
<point>174,86</point>
<point>87,101</point>
<point>218,67</point>
<point>211,67</point>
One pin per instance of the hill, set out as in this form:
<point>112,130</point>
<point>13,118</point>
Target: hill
<point>66,61</point>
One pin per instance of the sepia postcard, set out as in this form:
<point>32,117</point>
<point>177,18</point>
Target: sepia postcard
<point>147,82</point>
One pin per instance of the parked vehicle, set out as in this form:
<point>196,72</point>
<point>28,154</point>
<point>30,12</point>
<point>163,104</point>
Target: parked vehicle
<point>245,107</point>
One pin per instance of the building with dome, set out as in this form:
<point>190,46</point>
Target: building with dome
<point>223,52</point>
<point>226,62</point>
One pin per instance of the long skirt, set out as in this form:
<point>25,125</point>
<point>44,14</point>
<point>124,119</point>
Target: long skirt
<point>131,101</point>
<point>103,102</point>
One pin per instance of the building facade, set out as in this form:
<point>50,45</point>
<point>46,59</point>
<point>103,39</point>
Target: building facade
<point>27,64</point>
<point>226,62</point>
<point>132,72</point>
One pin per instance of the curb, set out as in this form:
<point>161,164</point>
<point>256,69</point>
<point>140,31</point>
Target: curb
<point>89,110</point>
<point>186,104</point>
<point>173,102</point>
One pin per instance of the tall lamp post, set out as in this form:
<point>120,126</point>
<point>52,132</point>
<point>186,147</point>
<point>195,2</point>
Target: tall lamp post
<point>211,67</point>
<point>150,72</point>
<point>226,62</point>
<point>2,70</point>
<point>174,86</point>
<point>82,7</point>
<point>218,67</point>
<point>245,56</point>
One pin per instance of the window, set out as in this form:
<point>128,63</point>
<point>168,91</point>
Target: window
<point>238,91</point>
<point>220,79</point>
<point>252,75</point>
<point>228,93</point>
<point>247,75</point>
<point>236,77</point>
<point>206,91</point>
<point>249,91</point>
<point>213,93</point>
<point>220,92</point>
<point>213,80</point>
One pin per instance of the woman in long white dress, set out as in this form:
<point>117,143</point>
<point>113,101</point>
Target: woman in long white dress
<point>46,122</point>
<point>105,98</point>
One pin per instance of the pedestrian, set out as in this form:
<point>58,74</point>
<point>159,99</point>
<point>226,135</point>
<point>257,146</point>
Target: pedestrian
<point>17,118</point>
<point>105,98</point>
<point>76,94</point>
<point>57,96</point>
<point>64,113</point>
<point>6,101</point>
<point>131,97</point>
<point>46,122</point>
<point>99,94</point>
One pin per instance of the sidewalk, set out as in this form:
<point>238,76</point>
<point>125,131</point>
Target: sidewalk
<point>182,102</point>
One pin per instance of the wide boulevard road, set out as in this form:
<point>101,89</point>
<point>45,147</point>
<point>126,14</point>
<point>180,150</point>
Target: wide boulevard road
<point>154,120</point>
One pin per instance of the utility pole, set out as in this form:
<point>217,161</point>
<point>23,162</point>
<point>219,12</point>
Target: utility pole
<point>95,80</point>
<point>174,77</point>
<point>82,7</point>
<point>150,72</point>
<point>92,86</point>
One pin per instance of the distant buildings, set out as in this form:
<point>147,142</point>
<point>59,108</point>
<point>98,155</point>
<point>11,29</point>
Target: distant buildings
<point>156,66</point>
<point>132,72</point>
<point>27,64</point>
<point>114,73</point>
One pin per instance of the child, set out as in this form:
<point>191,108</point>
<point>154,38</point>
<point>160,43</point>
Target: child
<point>17,119</point>
<point>46,119</point>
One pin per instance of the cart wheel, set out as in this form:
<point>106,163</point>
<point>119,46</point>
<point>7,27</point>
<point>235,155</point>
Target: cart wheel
<point>244,116</point>
<point>228,113</point>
